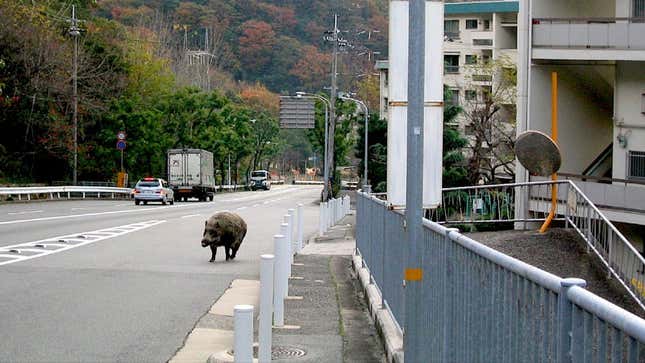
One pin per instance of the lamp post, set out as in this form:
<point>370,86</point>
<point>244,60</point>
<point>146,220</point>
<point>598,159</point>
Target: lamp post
<point>326,151</point>
<point>366,186</point>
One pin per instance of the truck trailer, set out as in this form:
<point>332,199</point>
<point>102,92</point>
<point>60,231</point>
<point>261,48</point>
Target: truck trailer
<point>191,174</point>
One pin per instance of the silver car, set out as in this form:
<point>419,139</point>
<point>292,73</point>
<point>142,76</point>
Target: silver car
<point>153,190</point>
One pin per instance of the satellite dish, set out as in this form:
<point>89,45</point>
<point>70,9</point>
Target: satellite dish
<point>538,153</point>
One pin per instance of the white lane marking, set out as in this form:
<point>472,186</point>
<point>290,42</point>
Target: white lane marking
<point>25,212</point>
<point>255,205</point>
<point>191,215</point>
<point>143,210</point>
<point>58,247</point>
<point>265,202</point>
<point>122,205</point>
<point>242,208</point>
<point>80,208</point>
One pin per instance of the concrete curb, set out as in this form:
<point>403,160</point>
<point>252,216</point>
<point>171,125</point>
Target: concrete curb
<point>387,328</point>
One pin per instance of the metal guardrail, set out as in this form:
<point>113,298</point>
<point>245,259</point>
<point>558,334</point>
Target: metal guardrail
<point>497,203</point>
<point>66,192</point>
<point>480,305</point>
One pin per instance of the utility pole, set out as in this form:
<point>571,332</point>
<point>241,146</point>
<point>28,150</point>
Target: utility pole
<point>414,323</point>
<point>75,32</point>
<point>333,37</point>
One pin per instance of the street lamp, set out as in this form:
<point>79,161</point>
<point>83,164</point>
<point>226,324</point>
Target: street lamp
<point>327,151</point>
<point>366,186</point>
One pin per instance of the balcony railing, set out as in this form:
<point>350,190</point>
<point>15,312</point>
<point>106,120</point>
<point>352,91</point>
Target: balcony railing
<point>595,33</point>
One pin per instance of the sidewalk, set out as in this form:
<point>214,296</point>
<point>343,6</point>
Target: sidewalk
<point>326,316</point>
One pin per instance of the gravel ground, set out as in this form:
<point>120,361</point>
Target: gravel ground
<point>562,253</point>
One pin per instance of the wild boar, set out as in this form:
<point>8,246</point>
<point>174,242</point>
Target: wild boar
<point>224,229</point>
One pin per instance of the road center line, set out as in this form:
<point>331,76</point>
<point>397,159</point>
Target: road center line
<point>97,214</point>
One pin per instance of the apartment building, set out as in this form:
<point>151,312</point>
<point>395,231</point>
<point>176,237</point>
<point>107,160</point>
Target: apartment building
<point>475,32</point>
<point>597,49</point>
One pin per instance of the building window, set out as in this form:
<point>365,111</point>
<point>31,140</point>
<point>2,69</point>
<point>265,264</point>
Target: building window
<point>451,29</point>
<point>471,59</point>
<point>453,99</point>
<point>471,95</point>
<point>636,165</point>
<point>451,63</point>
<point>638,10</point>
<point>471,23</point>
<point>486,24</point>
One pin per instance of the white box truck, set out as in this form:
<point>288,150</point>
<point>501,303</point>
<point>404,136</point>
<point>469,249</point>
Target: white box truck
<point>191,174</point>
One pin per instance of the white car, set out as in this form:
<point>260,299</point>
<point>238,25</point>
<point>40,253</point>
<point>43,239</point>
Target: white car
<point>153,190</point>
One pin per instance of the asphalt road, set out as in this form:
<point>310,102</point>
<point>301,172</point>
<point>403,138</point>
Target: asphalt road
<point>132,289</point>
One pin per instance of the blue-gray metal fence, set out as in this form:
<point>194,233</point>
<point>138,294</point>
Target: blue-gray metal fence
<point>480,305</point>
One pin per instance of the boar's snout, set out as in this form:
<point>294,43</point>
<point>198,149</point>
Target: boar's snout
<point>205,243</point>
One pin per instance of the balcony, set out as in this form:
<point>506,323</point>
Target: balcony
<point>589,38</point>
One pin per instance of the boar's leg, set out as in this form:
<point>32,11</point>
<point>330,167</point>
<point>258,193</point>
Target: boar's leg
<point>227,249</point>
<point>213,252</point>
<point>234,250</point>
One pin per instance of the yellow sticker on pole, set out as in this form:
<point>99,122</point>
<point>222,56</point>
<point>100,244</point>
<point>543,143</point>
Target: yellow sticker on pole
<point>413,274</point>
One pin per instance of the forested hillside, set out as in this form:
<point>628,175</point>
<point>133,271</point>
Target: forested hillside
<point>170,73</point>
<point>279,43</point>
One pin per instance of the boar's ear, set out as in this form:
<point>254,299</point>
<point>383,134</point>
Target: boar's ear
<point>205,223</point>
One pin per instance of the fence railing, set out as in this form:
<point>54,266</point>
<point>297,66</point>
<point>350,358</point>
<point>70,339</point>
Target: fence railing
<point>497,203</point>
<point>66,192</point>
<point>480,305</point>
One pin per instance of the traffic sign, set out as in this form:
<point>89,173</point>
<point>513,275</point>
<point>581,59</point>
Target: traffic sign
<point>297,113</point>
<point>120,145</point>
<point>121,135</point>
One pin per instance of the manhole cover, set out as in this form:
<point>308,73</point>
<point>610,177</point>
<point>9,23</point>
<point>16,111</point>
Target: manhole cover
<point>284,352</point>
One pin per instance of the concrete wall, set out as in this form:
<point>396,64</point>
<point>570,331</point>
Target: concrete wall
<point>585,129</point>
<point>630,85</point>
<point>574,8</point>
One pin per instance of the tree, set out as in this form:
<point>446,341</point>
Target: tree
<point>489,112</point>
<point>256,44</point>
<point>312,68</point>
<point>454,171</point>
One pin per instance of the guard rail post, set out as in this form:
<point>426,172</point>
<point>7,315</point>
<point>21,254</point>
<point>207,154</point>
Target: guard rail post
<point>266,308</point>
<point>565,314</point>
<point>243,344</point>
<point>280,279</point>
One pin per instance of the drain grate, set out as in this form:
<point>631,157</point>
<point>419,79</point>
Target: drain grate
<point>285,352</point>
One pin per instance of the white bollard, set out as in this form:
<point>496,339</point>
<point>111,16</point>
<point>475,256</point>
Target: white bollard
<point>300,227</point>
<point>284,231</point>
<point>266,308</point>
<point>294,231</point>
<point>289,234</point>
<point>327,215</point>
<point>280,279</point>
<point>243,343</point>
<point>321,219</point>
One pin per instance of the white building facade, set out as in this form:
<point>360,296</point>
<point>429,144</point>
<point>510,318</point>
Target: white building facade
<point>475,32</point>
